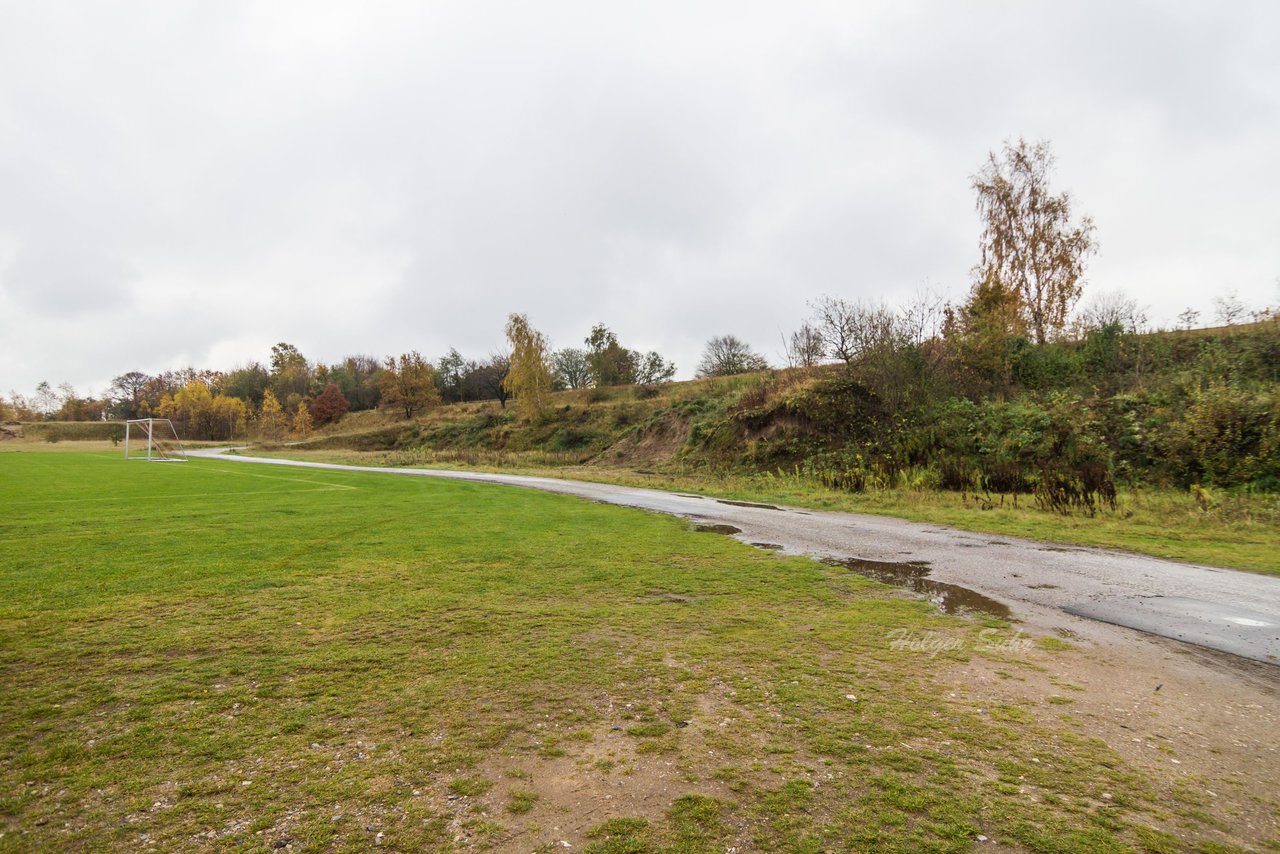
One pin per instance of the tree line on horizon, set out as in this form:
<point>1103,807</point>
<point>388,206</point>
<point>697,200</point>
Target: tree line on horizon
<point>291,393</point>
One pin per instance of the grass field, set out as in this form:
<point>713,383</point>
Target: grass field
<point>1236,531</point>
<point>204,656</point>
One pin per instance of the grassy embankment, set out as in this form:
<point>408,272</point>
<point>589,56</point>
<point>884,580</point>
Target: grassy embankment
<point>203,655</point>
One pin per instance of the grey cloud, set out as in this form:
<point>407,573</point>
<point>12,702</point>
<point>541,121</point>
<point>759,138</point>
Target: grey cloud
<point>401,175</point>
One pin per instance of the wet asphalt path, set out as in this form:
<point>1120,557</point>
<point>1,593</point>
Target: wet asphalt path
<point>1222,609</point>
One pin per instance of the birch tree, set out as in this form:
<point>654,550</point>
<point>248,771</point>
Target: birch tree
<point>529,379</point>
<point>1031,247</point>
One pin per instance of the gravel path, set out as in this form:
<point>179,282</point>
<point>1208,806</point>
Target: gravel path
<point>1068,588</point>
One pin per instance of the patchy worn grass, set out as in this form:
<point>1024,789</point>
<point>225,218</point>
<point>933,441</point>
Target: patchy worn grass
<point>205,656</point>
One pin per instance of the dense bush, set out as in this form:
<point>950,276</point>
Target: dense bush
<point>1227,437</point>
<point>329,406</point>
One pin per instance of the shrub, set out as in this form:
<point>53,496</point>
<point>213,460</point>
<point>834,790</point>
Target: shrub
<point>1226,437</point>
<point>1054,450</point>
<point>330,406</point>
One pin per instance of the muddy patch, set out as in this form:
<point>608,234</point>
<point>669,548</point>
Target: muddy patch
<point>659,596</point>
<point>773,547</point>
<point>709,528</point>
<point>746,504</point>
<point>949,598</point>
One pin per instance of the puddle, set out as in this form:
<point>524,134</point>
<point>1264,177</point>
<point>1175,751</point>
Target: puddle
<point>747,504</point>
<point>716,529</point>
<point>949,598</point>
<point>1042,586</point>
<point>773,547</point>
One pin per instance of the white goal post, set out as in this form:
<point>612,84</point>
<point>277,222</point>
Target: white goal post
<point>154,440</point>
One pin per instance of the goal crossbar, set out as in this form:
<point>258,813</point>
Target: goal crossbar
<point>159,438</point>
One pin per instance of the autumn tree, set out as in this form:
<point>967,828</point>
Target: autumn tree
<point>726,355</point>
<point>329,406</point>
<point>408,384</point>
<point>302,422</point>
<point>19,408</point>
<point>290,373</point>
<point>357,377</point>
<point>229,417</point>
<point>285,356</point>
<point>77,408</point>
<point>1031,247</point>
<point>979,336</point>
<point>189,408</point>
<point>529,379</point>
<point>271,418</point>
<point>200,414</point>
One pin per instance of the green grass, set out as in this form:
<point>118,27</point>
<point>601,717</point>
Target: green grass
<point>208,655</point>
<point>1238,532</point>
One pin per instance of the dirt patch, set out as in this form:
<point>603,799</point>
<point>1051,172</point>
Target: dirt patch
<point>611,771</point>
<point>655,442</point>
<point>1201,724</point>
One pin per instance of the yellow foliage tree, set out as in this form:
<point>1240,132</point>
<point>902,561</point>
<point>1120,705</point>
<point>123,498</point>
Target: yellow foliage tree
<point>1032,249</point>
<point>408,383</point>
<point>197,413</point>
<point>190,408</point>
<point>228,417</point>
<point>302,423</point>
<point>271,418</point>
<point>529,379</point>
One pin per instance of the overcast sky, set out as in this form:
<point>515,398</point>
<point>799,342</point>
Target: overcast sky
<point>188,183</point>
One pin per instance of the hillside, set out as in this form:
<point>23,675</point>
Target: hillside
<point>629,426</point>
<point>1070,423</point>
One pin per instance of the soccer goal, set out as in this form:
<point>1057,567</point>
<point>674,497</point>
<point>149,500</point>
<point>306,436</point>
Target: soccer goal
<point>154,440</point>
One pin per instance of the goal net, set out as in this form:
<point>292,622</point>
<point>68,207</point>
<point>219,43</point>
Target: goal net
<point>154,440</point>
